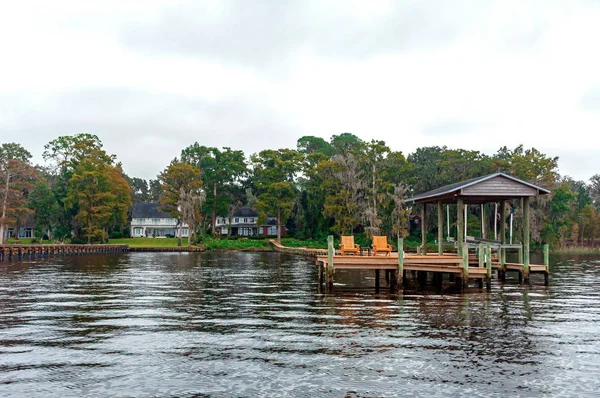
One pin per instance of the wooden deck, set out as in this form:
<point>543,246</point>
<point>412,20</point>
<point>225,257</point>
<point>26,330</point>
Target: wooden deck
<point>447,263</point>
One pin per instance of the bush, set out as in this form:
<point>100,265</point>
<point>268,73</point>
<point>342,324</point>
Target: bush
<point>116,235</point>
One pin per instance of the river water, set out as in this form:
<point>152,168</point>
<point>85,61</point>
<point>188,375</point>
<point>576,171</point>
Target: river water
<point>256,324</point>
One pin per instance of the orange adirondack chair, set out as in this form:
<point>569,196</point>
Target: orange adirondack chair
<point>380,245</point>
<point>348,245</point>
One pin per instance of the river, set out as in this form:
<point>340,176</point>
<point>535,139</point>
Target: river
<point>256,324</point>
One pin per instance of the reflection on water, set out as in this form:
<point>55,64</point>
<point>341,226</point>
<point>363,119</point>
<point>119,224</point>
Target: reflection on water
<point>245,324</point>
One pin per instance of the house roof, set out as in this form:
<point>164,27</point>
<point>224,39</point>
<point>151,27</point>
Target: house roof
<point>465,189</point>
<point>148,210</point>
<point>245,212</point>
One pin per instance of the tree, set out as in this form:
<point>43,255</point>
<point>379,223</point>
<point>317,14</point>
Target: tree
<point>274,178</point>
<point>64,155</point>
<point>594,190</point>
<point>101,196</point>
<point>154,190</point>
<point>310,145</point>
<point>16,175</point>
<point>68,150</point>
<point>46,209</point>
<point>181,185</point>
<point>221,170</point>
<point>140,190</point>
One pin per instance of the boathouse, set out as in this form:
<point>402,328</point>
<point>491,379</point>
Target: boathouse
<point>486,253</point>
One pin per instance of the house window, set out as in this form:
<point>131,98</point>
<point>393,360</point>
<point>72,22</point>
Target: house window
<point>137,231</point>
<point>245,220</point>
<point>184,231</point>
<point>237,219</point>
<point>252,220</point>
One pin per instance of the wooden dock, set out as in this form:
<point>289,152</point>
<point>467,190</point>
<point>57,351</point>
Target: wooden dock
<point>461,269</point>
<point>10,252</point>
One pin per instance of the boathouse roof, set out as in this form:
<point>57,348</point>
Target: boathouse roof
<point>490,188</point>
<point>148,210</point>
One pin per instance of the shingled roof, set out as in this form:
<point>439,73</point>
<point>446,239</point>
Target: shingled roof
<point>148,210</point>
<point>489,188</point>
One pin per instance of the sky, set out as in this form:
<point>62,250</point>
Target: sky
<point>151,77</point>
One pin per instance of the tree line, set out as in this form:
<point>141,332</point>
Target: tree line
<point>342,186</point>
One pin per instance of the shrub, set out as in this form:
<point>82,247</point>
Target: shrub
<point>116,235</point>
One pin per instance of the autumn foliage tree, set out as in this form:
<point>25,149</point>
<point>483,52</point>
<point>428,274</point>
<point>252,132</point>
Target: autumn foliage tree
<point>101,196</point>
<point>16,176</point>
<point>182,194</point>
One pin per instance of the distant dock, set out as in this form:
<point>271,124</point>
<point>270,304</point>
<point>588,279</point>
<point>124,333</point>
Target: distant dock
<point>17,252</point>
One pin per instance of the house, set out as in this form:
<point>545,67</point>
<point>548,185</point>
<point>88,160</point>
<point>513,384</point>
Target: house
<point>148,221</point>
<point>26,229</point>
<point>244,222</point>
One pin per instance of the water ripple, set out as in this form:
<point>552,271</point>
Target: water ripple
<point>246,324</point>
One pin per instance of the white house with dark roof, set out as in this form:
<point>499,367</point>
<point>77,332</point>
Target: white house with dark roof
<point>244,222</point>
<point>148,221</point>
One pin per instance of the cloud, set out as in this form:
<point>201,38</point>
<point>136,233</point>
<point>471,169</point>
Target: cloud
<point>268,32</point>
<point>591,99</point>
<point>146,130</point>
<point>448,127</point>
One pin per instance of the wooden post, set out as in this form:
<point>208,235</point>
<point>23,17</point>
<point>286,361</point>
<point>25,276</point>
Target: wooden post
<point>465,263</point>
<point>377,276</point>
<point>496,221</point>
<point>466,222</point>
<point>460,224</point>
<point>448,220</point>
<point>400,272</point>
<point>502,253</point>
<point>488,263</point>
<point>424,229</point>
<point>546,263</point>
<point>330,253</point>
<point>440,211</point>
<point>481,255</point>
<point>483,221</point>
<point>526,239</point>
<point>511,228</point>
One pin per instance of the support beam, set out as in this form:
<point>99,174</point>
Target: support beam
<point>400,272</point>
<point>460,224</point>
<point>330,254</point>
<point>440,211</point>
<point>546,263</point>
<point>448,220</point>
<point>424,229</point>
<point>488,264</point>
<point>465,264</point>
<point>526,237</point>
<point>466,223</point>
<point>503,215</point>
<point>496,221</point>
<point>483,221</point>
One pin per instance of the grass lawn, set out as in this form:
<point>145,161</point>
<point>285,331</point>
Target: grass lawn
<point>25,241</point>
<point>147,242</point>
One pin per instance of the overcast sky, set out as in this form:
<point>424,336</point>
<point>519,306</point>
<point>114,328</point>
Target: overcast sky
<point>152,77</point>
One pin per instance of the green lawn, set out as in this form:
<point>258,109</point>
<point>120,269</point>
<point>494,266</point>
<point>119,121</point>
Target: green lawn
<point>25,241</point>
<point>147,242</point>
